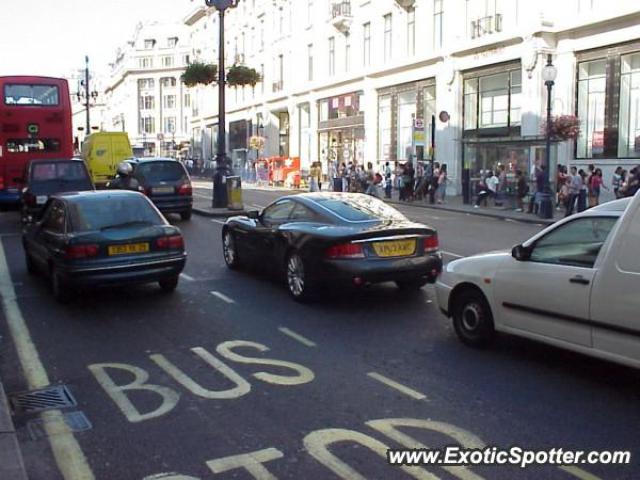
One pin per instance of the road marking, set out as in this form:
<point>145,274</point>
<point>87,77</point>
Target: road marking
<point>188,278</point>
<point>215,220</point>
<point>578,472</point>
<point>398,386</point>
<point>296,336</point>
<point>450,254</point>
<point>66,450</point>
<point>223,297</point>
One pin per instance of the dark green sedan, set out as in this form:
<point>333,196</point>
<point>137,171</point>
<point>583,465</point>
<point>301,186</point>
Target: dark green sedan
<point>90,239</point>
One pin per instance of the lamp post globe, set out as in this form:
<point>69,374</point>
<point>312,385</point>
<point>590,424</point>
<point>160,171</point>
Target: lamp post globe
<point>223,164</point>
<point>549,74</point>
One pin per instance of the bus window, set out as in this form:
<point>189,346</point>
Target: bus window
<point>24,94</point>
<point>20,145</point>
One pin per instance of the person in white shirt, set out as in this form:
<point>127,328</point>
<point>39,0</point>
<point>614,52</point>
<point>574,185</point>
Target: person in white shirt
<point>492,187</point>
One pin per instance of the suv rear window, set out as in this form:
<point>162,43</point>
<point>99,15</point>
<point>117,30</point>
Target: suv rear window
<point>150,172</point>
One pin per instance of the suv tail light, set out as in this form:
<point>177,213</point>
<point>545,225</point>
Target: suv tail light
<point>173,242</point>
<point>430,243</point>
<point>74,252</point>
<point>345,250</point>
<point>185,189</point>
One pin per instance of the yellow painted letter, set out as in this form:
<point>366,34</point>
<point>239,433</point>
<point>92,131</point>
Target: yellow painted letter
<point>251,462</point>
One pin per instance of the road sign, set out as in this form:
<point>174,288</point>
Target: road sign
<point>160,136</point>
<point>418,123</point>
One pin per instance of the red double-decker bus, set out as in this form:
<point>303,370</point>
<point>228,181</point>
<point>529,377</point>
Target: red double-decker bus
<point>35,122</point>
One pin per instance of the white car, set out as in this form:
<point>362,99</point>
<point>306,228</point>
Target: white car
<point>575,285</point>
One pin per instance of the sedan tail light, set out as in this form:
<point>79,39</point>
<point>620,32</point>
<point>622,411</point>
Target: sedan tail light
<point>174,242</point>
<point>74,252</point>
<point>430,243</point>
<point>185,189</point>
<point>345,250</point>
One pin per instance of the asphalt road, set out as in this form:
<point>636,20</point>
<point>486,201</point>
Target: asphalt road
<point>230,366</point>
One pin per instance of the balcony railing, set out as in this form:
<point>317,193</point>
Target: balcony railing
<point>341,15</point>
<point>277,86</point>
<point>486,26</point>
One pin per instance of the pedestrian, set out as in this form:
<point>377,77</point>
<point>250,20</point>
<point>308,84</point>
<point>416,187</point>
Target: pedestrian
<point>491,183</point>
<point>441,192</point>
<point>574,182</point>
<point>501,190</point>
<point>433,182</point>
<point>561,180</point>
<point>584,191</point>
<point>591,169</point>
<point>522,188</point>
<point>597,184</point>
<point>314,173</point>
<point>369,179</point>
<point>534,199</point>
<point>616,182</point>
<point>388,186</point>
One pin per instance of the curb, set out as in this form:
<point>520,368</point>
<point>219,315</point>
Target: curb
<point>222,214</point>
<point>480,213</point>
<point>11,462</point>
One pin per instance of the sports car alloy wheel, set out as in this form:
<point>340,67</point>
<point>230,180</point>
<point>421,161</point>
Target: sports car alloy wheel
<point>295,275</point>
<point>229,250</point>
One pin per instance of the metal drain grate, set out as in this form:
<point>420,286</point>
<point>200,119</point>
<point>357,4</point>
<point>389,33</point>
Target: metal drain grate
<point>76,421</point>
<point>40,400</point>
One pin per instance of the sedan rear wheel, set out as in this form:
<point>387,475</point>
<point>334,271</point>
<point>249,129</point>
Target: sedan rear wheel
<point>472,319</point>
<point>298,281</point>
<point>59,288</point>
<point>168,285</point>
<point>230,250</point>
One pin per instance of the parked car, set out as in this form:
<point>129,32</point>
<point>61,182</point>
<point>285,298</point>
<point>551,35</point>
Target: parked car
<point>166,182</point>
<point>320,238</point>
<point>574,285</point>
<point>43,178</point>
<point>116,237</point>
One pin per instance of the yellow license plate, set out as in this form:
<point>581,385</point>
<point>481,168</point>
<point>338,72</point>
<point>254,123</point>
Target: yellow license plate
<point>396,248</point>
<point>128,249</point>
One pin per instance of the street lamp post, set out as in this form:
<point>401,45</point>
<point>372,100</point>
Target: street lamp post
<point>549,73</point>
<point>87,95</point>
<point>223,169</point>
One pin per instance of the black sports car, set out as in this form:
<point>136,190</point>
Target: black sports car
<point>320,238</point>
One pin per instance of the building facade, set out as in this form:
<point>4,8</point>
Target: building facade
<point>144,93</point>
<point>370,80</point>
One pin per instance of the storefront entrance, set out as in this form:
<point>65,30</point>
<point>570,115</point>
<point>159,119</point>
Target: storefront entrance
<point>340,146</point>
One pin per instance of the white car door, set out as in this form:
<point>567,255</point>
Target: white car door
<point>615,301</point>
<point>548,294</point>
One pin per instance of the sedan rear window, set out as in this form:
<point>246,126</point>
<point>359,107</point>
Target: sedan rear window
<point>42,172</point>
<point>160,172</point>
<point>360,208</point>
<point>97,213</point>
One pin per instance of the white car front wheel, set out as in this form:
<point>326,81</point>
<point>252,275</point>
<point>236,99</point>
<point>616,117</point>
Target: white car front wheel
<point>472,318</point>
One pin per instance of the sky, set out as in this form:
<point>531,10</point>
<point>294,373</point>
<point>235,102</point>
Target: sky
<point>52,37</point>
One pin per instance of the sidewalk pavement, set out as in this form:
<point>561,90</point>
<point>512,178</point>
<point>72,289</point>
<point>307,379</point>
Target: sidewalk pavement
<point>202,206</point>
<point>11,463</point>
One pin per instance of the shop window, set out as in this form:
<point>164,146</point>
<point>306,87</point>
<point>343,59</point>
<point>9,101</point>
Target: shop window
<point>384,127</point>
<point>430,111</point>
<point>515,102</point>
<point>340,107</point>
<point>629,129</point>
<point>592,84</point>
<point>407,102</point>
<point>471,104</point>
<point>494,101</point>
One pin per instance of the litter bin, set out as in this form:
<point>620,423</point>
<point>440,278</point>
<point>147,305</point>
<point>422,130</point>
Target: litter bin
<point>337,184</point>
<point>234,193</point>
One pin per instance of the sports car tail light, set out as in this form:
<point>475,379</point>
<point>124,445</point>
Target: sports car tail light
<point>173,242</point>
<point>345,250</point>
<point>430,243</point>
<point>74,252</point>
<point>185,189</point>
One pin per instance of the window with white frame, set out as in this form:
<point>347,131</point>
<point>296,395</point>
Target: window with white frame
<point>347,52</point>
<point>187,100</point>
<point>388,37</point>
<point>168,82</point>
<point>146,83</point>
<point>169,125</point>
<point>149,43</point>
<point>167,61</point>
<point>332,56</point>
<point>169,101</point>
<point>172,42</point>
<point>147,102</point>
<point>592,84</point>
<point>145,62</point>
<point>366,42</point>
<point>310,62</point>
<point>411,32</point>
<point>384,127</point>
<point>629,128</point>
<point>147,124</point>
<point>438,14</point>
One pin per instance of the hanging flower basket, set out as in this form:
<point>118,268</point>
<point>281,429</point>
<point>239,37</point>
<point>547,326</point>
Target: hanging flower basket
<point>240,76</point>
<point>561,128</point>
<point>256,143</point>
<point>199,74</point>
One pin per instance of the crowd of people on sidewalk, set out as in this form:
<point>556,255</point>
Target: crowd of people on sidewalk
<point>410,183</point>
